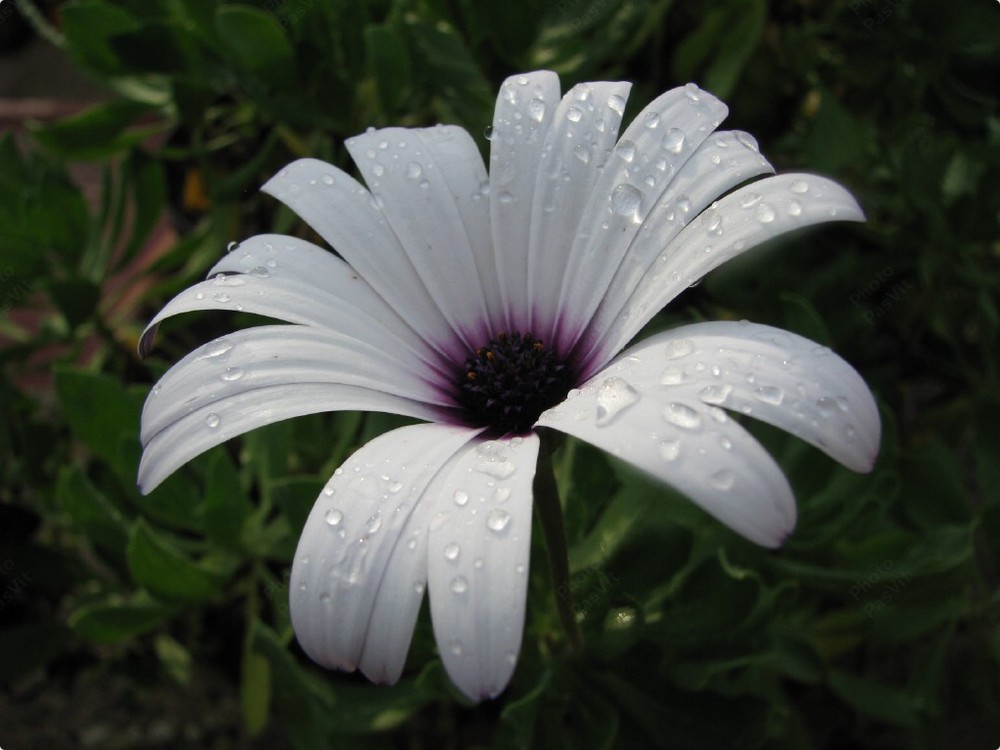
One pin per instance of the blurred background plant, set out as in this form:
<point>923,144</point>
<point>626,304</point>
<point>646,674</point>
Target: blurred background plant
<point>139,622</point>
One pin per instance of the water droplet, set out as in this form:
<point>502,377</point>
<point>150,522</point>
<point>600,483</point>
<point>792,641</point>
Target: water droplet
<point>614,396</point>
<point>626,201</point>
<point>510,657</point>
<point>325,597</point>
<point>261,272</point>
<point>670,449</point>
<point>459,585</point>
<point>374,522</point>
<point>673,140</point>
<point>574,114</point>
<point>722,479</point>
<point>765,214</point>
<point>769,394</point>
<point>497,520</point>
<point>582,152</point>
<point>394,486</point>
<point>334,517</point>
<point>327,179</point>
<point>536,110</point>
<point>199,295</point>
<point>419,588</point>
<point>222,297</point>
<point>414,170</point>
<point>651,120</point>
<point>672,376</point>
<point>748,200</point>
<point>232,373</point>
<point>713,222</point>
<point>455,648</point>
<point>616,103</point>
<point>794,208</point>
<point>826,406</point>
<point>519,568</point>
<point>505,197</point>
<point>452,551</point>
<point>747,140</point>
<point>626,151</point>
<point>461,497</point>
<point>478,563</point>
<point>232,246</point>
<point>799,187</point>
<point>502,494</point>
<point>489,133</point>
<point>213,420</point>
<point>715,394</point>
<point>678,348</point>
<point>682,415</point>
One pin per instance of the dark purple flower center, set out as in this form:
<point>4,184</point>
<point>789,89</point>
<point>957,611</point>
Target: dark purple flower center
<point>507,383</point>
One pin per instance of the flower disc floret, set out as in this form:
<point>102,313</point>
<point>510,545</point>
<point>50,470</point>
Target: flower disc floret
<point>506,384</point>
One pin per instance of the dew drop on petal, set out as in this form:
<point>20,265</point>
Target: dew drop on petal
<point>582,152</point>
<point>651,120</point>
<point>455,647</point>
<point>765,214</point>
<point>213,420</point>
<point>673,140</point>
<point>723,479</point>
<point>334,517</point>
<point>574,114</point>
<point>327,179</point>
<point>616,103</point>
<point>536,110</point>
<point>459,585</point>
<point>626,201</point>
<point>799,187</point>
<point>682,415</point>
<point>794,208</point>
<point>678,348</point>
<point>414,171</point>
<point>672,376</point>
<point>614,396</point>
<point>461,497</point>
<point>626,151</point>
<point>232,373</point>
<point>769,394</point>
<point>715,394</point>
<point>452,551</point>
<point>502,494</point>
<point>670,449</point>
<point>505,197</point>
<point>374,522</point>
<point>497,520</point>
<point>749,200</point>
<point>221,297</point>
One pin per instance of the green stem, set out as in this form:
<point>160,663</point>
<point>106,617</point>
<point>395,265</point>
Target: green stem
<point>551,515</point>
<point>40,24</point>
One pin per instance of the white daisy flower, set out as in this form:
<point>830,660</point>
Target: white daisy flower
<point>490,304</point>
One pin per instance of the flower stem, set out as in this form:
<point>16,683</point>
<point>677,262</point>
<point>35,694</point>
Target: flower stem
<point>551,515</point>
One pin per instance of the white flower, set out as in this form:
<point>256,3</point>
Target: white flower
<point>487,305</point>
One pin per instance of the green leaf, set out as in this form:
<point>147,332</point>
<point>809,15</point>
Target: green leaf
<point>100,413</point>
<point>176,659</point>
<point>255,691</point>
<point>76,299</point>
<point>92,512</point>
<point>389,65</point>
<point>227,508</point>
<point>89,25</point>
<point>114,621</point>
<point>887,703</point>
<point>165,571</point>
<point>721,45</point>
<point>96,133</point>
<point>257,43</point>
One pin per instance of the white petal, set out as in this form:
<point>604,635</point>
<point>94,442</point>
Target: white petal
<point>293,280</point>
<point>577,145</point>
<point>682,441</point>
<point>480,539</point>
<point>266,356</point>
<point>412,174</point>
<point>644,163</point>
<point>190,433</point>
<point>361,564</point>
<point>721,162</point>
<point>769,374</point>
<point>348,217</point>
<point>741,220</point>
<point>515,153</point>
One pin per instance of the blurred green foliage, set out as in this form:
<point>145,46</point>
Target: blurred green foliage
<point>876,626</point>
